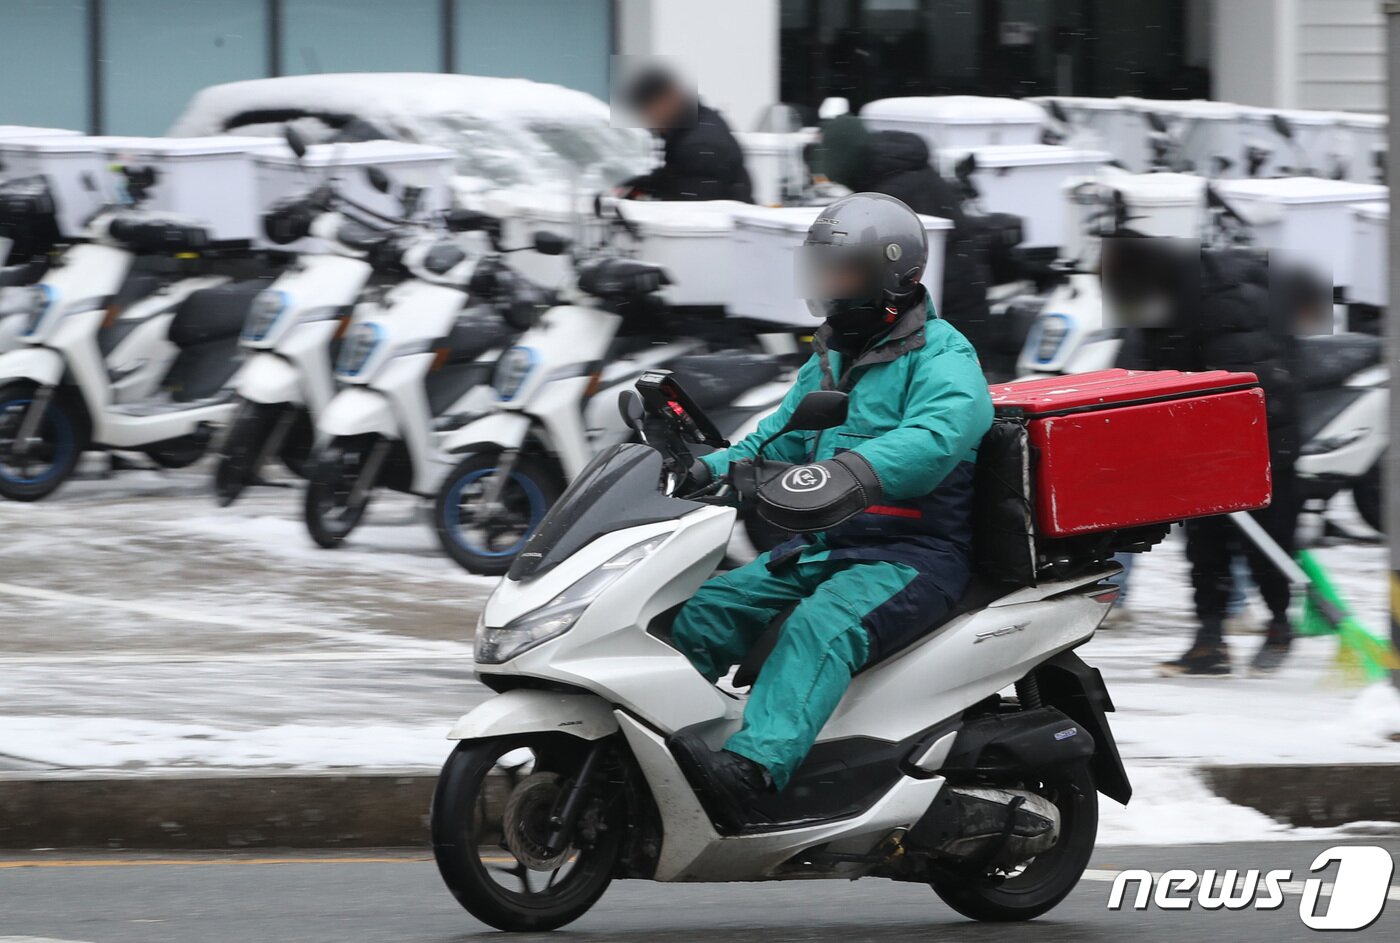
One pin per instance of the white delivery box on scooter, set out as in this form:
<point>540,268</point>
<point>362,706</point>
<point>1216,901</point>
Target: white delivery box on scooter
<point>1319,145</point>
<point>1370,270</point>
<point>281,176</point>
<point>764,269</point>
<point>75,167</point>
<point>958,120</point>
<point>1204,130</point>
<point>1307,220</point>
<point>775,164</point>
<point>1105,124</point>
<point>209,179</point>
<point>1166,205</point>
<point>1025,180</point>
<point>1366,145</point>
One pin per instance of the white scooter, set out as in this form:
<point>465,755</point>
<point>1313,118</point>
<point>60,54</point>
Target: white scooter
<point>557,395</point>
<point>417,363</point>
<point>926,773</point>
<point>97,372</point>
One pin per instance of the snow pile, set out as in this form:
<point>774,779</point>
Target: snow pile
<point>1376,711</point>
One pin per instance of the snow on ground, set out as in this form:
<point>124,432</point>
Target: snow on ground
<point>146,630</point>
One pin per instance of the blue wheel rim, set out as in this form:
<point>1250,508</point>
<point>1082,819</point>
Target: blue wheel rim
<point>54,426</point>
<point>452,511</point>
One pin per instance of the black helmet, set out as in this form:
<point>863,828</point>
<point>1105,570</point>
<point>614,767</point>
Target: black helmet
<point>865,250</point>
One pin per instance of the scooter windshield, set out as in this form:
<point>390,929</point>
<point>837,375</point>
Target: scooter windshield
<point>618,489</point>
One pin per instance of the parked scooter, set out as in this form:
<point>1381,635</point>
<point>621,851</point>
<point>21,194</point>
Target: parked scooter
<point>1344,403</point>
<point>120,355</point>
<point>925,773</point>
<point>557,390</point>
<point>295,325</point>
<point>412,367</point>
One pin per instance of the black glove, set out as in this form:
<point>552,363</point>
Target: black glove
<point>810,498</point>
<point>697,477</point>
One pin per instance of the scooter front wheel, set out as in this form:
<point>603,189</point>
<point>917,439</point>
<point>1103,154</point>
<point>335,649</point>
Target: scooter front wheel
<point>492,830</point>
<point>1366,492</point>
<point>32,469</point>
<point>1039,885</point>
<point>482,537</point>
<point>241,453</point>
<point>332,509</point>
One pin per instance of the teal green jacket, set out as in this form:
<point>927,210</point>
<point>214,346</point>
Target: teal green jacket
<point>918,409</point>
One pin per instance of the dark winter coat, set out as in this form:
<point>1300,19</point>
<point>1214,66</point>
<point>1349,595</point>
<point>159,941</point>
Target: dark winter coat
<point>703,161</point>
<point>1226,319</point>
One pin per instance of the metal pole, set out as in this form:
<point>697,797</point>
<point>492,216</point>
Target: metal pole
<point>1391,8</point>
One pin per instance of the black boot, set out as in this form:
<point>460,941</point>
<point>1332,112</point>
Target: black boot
<point>727,783</point>
<point>1272,653</point>
<point>1210,659</point>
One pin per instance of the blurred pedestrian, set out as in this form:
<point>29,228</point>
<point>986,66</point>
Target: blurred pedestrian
<point>702,160</point>
<point>1188,308</point>
<point>897,164</point>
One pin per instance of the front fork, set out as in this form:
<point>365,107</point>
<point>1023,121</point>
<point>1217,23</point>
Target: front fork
<point>491,506</point>
<point>364,481</point>
<point>29,425</point>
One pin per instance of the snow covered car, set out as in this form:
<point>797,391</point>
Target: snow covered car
<point>507,133</point>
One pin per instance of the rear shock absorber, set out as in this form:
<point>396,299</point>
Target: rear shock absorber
<point>1028,692</point>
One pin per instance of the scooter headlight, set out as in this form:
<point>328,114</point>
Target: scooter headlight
<point>359,347</point>
<point>496,646</point>
<point>36,303</point>
<point>1051,331</point>
<point>512,370</point>
<point>267,308</point>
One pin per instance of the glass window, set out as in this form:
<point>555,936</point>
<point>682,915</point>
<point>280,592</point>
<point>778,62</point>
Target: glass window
<point>43,63</point>
<point>568,41</point>
<point>158,53</point>
<point>361,36</point>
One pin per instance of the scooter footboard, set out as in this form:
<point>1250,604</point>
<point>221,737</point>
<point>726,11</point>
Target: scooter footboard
<point>585,716</point>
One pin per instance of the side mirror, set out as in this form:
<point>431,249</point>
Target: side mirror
<point>629,405</point>
<point>377,179</point>
<point>1281,126</point>
<point>1057,111</point>
<point>1156,122</point>
<point>819,409</point>
<point>294,140</point>
<point>966,167</point>
<point>550,243</point>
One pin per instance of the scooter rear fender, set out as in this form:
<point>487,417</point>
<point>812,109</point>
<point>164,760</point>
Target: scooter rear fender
<point>582,715</point>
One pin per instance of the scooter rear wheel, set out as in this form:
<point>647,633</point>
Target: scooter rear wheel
<point>490,820</point>
<point>330,514</point>
<point>53,453</point>
<point>1046,879</point>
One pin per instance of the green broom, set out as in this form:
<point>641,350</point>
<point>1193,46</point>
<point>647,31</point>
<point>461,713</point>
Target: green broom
<point>1360,654</point>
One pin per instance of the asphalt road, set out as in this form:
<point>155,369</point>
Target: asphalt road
<point>394,896</point>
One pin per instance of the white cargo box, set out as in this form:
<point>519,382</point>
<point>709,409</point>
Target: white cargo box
<point>1105,124</point>
<point>281,176</point>
<point>1319,146</point>
<point>76,168</point>
<point>1370,271</point>
<point>1206,130</point>
<point>693,242</point>
<point>1366,145</point>
<point>9,132</point>
<point>775,164</point>
<point>1308,220</point>
<point>958,120</point>
<point>1025,179</point>
<point>764,262</point>
<point>209,179</point>
<point>1165,205</point>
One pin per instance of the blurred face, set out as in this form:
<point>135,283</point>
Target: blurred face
<point>664,110</point>
<point>833,279</point>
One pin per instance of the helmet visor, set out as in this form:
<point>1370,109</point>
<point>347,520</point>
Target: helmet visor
<point>833,279</point>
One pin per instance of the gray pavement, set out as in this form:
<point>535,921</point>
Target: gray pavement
<point>394,896</point>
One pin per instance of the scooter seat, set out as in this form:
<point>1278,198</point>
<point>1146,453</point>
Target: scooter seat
<point>476,331</point>
<point>716,380</point>
<point>980,592</point>
<point>212,314</point>
<point>1327,360</point>
<point>154,234</point>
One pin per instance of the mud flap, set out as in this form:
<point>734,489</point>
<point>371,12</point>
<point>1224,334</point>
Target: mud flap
<point>1077,689</point>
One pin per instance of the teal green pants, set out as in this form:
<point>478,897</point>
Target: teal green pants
<point>822,645</point>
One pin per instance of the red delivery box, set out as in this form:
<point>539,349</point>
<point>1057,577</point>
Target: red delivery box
<point>1116,449</point>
